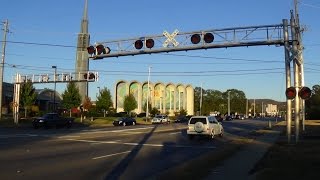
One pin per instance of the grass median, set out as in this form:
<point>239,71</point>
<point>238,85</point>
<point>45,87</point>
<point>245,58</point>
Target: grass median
<point>292,161</point>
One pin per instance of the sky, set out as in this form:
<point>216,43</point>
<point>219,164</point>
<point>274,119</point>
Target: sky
<point>57,24</point>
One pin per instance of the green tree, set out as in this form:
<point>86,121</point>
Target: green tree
<point>197,97</point>
<point>183,112</point>
<point>104,101</point>
<point>145,106</point>
<point>129,103</point>
<point>87,104</point>
<point>237,100</point>
<point>27,96</point>
<point>154,111</point>
<point>71,97</point>
<point>313,103</point>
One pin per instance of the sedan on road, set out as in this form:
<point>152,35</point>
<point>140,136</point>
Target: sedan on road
<point>124,121</point>
<point>52,119</point>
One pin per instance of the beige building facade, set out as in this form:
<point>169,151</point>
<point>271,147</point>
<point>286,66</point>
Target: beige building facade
<point>167,98</point>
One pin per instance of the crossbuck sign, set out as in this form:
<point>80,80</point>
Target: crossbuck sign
<point>170,38</point>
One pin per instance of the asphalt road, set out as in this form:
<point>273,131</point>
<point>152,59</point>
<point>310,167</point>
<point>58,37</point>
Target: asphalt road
<point>132,152</point>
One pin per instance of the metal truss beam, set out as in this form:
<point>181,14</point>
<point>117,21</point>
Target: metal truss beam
<point>181,41</point>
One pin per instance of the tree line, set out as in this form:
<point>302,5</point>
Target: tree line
<point>212,101</point>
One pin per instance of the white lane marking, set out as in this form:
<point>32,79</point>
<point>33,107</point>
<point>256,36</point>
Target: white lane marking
<point>138,144</point>
<point>109,155</point>
<point>175,133</point>
<point>68,136</point>
<point>106,131</point>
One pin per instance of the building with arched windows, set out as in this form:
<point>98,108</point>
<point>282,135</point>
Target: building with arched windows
<point>167,98</point>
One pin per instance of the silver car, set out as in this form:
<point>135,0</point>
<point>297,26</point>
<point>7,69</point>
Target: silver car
<point>160,119</point>
<point>204,126</point>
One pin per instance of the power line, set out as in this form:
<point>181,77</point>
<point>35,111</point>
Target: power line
<point>41,44</point>
<point>310,5</point>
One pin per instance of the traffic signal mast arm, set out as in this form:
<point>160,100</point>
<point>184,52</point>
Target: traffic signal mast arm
<point>185,41</point>
<point>89,76</point>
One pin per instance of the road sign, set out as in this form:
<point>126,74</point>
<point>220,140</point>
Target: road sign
<point>170,38</point>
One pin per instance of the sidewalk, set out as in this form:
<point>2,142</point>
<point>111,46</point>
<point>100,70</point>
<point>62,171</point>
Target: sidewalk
<point>241,163</point>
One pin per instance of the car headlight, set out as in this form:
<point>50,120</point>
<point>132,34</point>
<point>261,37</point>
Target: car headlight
<point>40,120</point>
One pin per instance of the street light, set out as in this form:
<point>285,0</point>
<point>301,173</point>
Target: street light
<point>148,94</point>
<point>98,93</point>
<point>55,84</point>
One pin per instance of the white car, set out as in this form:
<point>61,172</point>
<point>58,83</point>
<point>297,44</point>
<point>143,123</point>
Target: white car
<point>160,119</point>
<point>204,126</point>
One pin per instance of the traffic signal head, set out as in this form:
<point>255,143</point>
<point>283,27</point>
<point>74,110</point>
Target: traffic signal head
<point>100,49</point>
<point>149,43</point>
<point>305,93</point>
<point>195,38</point>
<point>291,92</point>
<point>208,37</point>
<point>91,50</point>
<point>90,77</point>
<point>138,44</point>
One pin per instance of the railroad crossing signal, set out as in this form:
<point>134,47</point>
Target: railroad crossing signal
<point>304,93</point>
<point>98,50</point>
<point>195,40</point>
<point>291,92</point>
<point>207,38</point>
<point>170,38</point>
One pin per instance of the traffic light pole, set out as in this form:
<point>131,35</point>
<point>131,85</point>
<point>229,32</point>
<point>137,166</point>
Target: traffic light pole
<point>2,63</point>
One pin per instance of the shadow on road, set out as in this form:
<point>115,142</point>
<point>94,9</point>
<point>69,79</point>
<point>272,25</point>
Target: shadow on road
<point>124,163</point>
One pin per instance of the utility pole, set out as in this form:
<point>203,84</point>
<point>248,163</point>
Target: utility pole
<point>228,103</point>
<point>55,87</point>
<point>200,99</point>
<point>247,109</point>
<point>6,24</point>
<point>254,108</point>
<point>262,115</point>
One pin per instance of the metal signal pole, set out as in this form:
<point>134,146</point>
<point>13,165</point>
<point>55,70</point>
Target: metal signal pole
<point>300,57</point>
<point>288,75</point>
<point>6,24</point>
<point>148,94</point>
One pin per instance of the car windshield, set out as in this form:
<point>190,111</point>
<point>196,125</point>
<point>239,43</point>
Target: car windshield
<point>121,119</point>
<point>195,120</point>
<point>160,116</point>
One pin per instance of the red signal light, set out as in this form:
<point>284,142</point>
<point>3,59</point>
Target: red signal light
<point>149,43</point>
<point>138,44</point>
<point>305,93</point>
<point>208,38</point>
<point>91,50</point>
<point>195,38</point>
<point>100,49</point>
<point>291,92</point>
<point>91,76</point>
